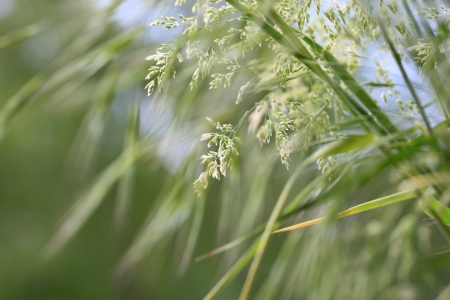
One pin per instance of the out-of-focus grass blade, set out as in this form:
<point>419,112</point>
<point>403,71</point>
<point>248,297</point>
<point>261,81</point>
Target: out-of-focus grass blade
<point>267,231</point>
<point>253,206</point>
<point>233,271</point>
<point>91,131</point>
<point>361,94</point>
<point>307,190</point>
<point>166,218</point>
<point>126,181</point>
<point>431,206</point>
<point>378,84</point>
<point>16,102</point>
<point>113,6</point>
<point>193,235</point>
<point>441,222</point>
<point>275,281</point>
<point>91,62</point>
<point>394,198</point>
<point>426,180</point>
<point>343,146</point>
<point>91,199</point>
<point>231,244</point>
<point>20,35</point>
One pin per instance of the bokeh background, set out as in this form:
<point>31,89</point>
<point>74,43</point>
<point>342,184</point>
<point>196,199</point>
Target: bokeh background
<point>71,74</point>
<point>87,59</point>
<point>42,173</point>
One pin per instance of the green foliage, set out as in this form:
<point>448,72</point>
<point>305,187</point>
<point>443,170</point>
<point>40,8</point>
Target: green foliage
<point>345,102</point>
<point>309,61</point>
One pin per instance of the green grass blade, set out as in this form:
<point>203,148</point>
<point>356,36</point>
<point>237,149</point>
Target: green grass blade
<point>20,35</point>
<point>302,196</point>
<point>170,213</point>
<point>232,244</point>
<point>267,231</point>
<point>405,76</point>
<point>437,215</point>
<point>92,61</point>
<point>426,180</point>
<point>233,271</point>
<point>432,207</point>
<point>394,198</point>
<point>16,102</point>
<point>193,235</point>
<point>92,198</point>
<point>93,127</point>
<point>126,181</point>
<point>351,143</point>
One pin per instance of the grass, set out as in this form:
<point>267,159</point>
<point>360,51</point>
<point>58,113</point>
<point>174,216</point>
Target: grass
<point>297,80</point>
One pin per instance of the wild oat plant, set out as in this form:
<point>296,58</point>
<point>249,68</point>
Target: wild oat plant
<point>326,113</point>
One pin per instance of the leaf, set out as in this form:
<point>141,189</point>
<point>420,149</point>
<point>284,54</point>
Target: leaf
<point>394,198</point>
<point>431,206</point>
<point>343,146</point>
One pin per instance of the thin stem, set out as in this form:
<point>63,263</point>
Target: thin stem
<point>411,89</point>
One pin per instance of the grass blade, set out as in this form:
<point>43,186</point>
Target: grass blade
<point>126,181</point>
<point>233,271</point>
<point>93,126</point>
<point>92,198</point>
<point>432,207</point>
<point>351,143</point>
<point>170,214</point>
<point>16,102</point>
<point>267,231</point>
<point>20,35</point>
<point>394,198</point>
<point>405,76</point>
<point>193,235</point>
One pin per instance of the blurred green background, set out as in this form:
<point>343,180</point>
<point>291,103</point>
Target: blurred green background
<point>58,137</point>
<point>88,58</point>
<point>38,180</point>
